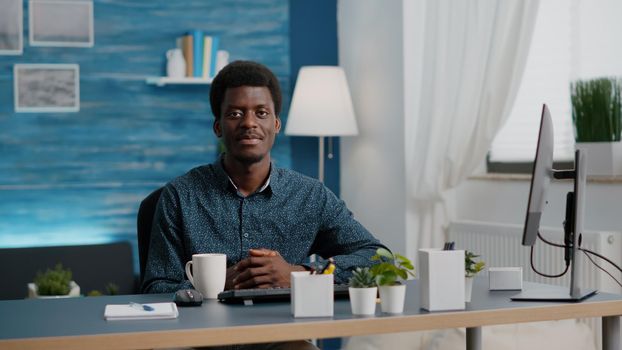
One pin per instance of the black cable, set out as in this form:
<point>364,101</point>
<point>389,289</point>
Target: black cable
<point>533,267</point>
<point>600,267</point>
<point>583,250</point>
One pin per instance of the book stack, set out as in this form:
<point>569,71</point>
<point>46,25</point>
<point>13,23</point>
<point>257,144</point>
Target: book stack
<point>200,52</point>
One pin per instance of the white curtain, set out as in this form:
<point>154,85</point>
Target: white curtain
<point>470,62</point>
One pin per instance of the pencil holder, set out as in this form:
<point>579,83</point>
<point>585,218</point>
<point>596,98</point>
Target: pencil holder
<point>441,275</point>
<point>312,295</point>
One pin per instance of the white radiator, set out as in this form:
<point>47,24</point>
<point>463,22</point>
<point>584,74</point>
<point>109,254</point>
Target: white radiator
<point>500,245</point>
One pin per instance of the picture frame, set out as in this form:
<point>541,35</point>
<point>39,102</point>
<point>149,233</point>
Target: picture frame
<point>46,88</point>
<point>75,30</point>
<point>11,27</point>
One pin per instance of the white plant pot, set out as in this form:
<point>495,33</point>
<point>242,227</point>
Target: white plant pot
<point>392,298</point>
<point>363,300</point>
<point>74,291</point>
<point>468,288</point>
<point>603,158</point>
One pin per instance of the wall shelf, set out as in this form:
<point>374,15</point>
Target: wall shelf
<point>162,81</point>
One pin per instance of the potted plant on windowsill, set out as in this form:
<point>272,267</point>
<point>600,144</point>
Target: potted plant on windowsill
<point>389,274</point>
<point>53,283</point>
<point>363,291</point>
<point>597,118</point>
<point>471,268</point>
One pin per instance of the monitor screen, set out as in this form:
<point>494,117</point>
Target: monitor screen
<point>540,178</point>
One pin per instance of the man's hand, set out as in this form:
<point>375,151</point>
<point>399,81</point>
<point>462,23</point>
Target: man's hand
<point>264,268</point>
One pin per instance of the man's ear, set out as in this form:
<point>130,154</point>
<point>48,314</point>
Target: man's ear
<point>216,127</point>
<point>277,125</point>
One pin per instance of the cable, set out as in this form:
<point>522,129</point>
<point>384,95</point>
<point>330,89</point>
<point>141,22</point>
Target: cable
<point>533,267</point>
<point>583,250</point>
<point>600,267</point>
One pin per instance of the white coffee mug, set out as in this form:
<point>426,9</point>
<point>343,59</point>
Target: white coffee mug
<point>208,273</point>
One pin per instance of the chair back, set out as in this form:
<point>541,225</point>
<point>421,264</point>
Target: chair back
<point>144,221</point>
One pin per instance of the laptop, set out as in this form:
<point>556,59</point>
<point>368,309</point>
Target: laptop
<point>259,295</point>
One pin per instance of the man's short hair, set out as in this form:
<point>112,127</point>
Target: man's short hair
<point>243,73</point>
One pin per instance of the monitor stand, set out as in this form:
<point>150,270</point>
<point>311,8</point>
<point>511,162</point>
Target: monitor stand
<point>535,294</point>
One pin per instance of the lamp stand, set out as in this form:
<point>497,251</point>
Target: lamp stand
<point>320,174</point>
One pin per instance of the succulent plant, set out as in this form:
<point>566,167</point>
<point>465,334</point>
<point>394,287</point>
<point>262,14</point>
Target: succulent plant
<point>53,281</point>
<point>362,278</point>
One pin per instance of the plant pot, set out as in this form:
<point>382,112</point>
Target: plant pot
<point>74,291</point>
<point>392,298</point>
<point>363,300</point>
<point>468,288</point>
<point>603,158</point>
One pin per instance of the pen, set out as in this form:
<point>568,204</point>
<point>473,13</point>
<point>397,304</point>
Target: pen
<point>329,268</point>
<point>141,306</point>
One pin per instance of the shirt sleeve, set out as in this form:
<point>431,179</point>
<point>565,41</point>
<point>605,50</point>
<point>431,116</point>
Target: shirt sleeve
<point>343,238</point>
<point>165,270</point>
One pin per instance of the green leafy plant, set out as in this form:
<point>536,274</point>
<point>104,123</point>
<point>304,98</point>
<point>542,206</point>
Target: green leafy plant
<point>597,109</point>
<point>362,278</point>
<point>391,269</point>
<point>471,268</point>
<point>110,289</point>
<point>53,281</point>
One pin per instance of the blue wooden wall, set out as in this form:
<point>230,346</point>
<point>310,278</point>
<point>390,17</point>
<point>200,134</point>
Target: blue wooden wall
<point>75,178</point>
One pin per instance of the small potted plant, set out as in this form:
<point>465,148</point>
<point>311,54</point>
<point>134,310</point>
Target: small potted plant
<point>597,118</point>
<point>363,291</point>
<point>53,283</point>
<point>389,274</point>
<point>471,268</point>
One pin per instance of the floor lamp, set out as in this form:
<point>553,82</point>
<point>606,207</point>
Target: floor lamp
<point>321,107</point>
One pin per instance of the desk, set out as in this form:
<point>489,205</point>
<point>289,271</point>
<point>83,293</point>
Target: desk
<point>78,323</point>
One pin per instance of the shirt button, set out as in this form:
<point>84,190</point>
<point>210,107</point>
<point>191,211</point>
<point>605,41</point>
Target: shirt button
<point>245,235</point>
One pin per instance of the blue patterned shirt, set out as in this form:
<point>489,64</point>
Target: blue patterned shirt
<point>202,212</point>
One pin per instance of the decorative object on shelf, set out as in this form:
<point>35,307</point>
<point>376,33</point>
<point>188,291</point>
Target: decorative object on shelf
<point>46,88</point>
<point>53,283</point>
<point>74,30</point>
<point>11,33</point>
<point>389,274</point>
<point>175,64</point>
<point>321,106</point>
<point>363,291</point>
<point>597,117</point>
<point>471,268</point>
<point>222,59</point>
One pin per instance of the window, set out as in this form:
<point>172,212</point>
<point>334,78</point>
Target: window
<point>546,79</point>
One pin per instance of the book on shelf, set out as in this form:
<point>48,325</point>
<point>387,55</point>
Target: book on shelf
<point>200,53</point>
<point>187,48</point>
<point>197,45</point>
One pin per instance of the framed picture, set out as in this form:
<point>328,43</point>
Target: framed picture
<point>11,19</point>
<point>46,87</point>
<point>61,23</point>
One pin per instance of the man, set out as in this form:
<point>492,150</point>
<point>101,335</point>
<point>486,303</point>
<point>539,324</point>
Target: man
<point>267,220</point>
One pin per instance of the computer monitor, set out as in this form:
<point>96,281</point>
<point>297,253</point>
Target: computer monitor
<point>542,173</point>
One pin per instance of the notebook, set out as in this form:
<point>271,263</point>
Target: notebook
<point>129,312</point>
<point>235,296</point>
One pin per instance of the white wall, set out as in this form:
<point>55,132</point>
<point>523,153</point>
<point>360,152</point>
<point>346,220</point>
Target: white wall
<point>372,163</point>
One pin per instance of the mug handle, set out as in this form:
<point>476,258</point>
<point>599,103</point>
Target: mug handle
<point>188,272</point>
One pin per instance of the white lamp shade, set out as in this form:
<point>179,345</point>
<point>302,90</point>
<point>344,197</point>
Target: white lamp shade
<point>321,105</point>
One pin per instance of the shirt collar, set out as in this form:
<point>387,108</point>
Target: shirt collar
<point>225,180</point>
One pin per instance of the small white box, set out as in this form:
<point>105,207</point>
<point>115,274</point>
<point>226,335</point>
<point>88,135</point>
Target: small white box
<point>312,295</point>
<point>505,278</point>
<point>441,274</point>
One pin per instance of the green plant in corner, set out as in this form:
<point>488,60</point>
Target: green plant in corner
<point>391,269</point>
<point>53,281</point>
<point>597,109</point>
<point>471,268</point>
<point>362,278</point>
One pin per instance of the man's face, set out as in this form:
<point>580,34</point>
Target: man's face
<point>247,124</point>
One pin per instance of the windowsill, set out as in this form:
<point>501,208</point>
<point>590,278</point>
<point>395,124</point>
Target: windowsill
<point>527,177</point>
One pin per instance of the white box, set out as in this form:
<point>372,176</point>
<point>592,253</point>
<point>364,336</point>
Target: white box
<point>441,274</point>
<point>312,295</point>
<point>505,278</point>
